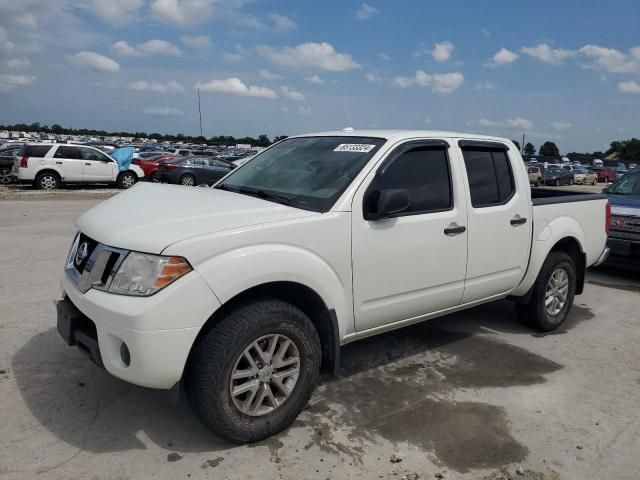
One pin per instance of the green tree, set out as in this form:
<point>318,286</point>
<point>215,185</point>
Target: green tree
<point>529,149</point>
<point>263,141</point>
<point>549,149</point>
<point>279,137</point>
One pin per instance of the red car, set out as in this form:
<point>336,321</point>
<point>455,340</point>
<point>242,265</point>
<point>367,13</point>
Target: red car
<point>605,174</point>
<point>150,165</point>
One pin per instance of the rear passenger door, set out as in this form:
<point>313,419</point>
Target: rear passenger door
<point>499,224</point>
<point>96,166</point>
<point>67,161</point>
<point>215,170</point>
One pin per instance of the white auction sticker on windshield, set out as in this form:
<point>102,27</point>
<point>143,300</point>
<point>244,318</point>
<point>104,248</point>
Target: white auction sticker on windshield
<point>354,147</point>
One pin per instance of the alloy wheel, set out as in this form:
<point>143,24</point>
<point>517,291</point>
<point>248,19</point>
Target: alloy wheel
<point>557,290</point>
<point>5,176</point>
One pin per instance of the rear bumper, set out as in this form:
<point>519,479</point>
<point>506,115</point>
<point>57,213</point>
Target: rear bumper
<point>603,257</point>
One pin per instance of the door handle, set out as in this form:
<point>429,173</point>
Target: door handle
<point>58,163</point>
<point>454,229</point>
<point>88,163</point>
<point>518,220</point>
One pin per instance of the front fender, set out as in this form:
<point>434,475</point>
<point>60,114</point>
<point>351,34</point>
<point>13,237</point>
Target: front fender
<point>238,270</point>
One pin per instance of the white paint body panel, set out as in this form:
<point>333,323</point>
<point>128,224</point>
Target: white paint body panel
<point>376,276</point>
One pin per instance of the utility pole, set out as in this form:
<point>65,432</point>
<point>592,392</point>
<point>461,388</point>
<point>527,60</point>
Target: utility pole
<point>522,145</point>
<point>200,113</point>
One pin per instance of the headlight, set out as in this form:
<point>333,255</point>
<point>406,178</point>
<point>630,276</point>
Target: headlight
<point>142,274</point>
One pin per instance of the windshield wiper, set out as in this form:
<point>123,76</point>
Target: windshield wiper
<point>283,199</point>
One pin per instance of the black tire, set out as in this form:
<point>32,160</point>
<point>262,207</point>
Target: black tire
<point>126,180</point>
<point>47,181</point>
<point>187,180</point>
<point>535,312</point>
<point>213,359</point>
<point>595,181</point>
<point>571,182</point>
<point>5,176</point>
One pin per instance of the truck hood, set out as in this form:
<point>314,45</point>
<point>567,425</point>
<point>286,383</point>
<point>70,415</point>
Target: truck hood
<point>624,204</point>
<point>150,217</point>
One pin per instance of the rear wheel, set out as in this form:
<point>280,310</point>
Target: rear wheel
<point>47,181</point>
<point>126,180</point>
<point>552,295</point>
<point>250,375</point>
<point>5,176</point>
<point>188,180</point>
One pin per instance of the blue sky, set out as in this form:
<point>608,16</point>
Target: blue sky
<point>567,71</point>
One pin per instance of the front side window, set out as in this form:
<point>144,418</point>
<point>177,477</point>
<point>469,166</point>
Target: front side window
<point>424,172</point>
<point>91,154</point>
<point>490,177</point>
<point>306,172</point>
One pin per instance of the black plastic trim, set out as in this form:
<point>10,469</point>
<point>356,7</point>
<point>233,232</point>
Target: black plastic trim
<point>482,144</point>
<point>552,197</point>
<point>333,355</point>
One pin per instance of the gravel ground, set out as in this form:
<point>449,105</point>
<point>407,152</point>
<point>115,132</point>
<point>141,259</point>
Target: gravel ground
<point>474,395</point>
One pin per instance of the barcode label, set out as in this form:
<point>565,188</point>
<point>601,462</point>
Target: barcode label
<point>354,147</point>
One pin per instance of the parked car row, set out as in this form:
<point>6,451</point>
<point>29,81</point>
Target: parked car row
<point>565,174</point>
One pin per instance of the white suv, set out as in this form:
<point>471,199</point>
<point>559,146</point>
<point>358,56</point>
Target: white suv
<point>49,165</point>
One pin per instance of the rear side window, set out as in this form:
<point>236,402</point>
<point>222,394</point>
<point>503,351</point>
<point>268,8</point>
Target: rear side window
<point>67,152</point>
<point>34,150</point>
<point>424,172</point>
<point>490,177</point>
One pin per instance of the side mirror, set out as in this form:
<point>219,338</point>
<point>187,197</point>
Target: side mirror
<point>385,203</point>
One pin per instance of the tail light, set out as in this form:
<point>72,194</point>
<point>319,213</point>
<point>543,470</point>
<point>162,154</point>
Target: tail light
<point>607,221</point>
<point>170,166</point>
<point>24,162</point>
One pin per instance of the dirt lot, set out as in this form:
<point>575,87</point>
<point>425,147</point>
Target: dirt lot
<point>473,395</point>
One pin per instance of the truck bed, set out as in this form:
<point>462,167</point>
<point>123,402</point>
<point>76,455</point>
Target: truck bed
<point>548,196</point>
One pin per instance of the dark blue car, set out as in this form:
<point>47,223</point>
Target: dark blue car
<point>624,229</point>
<point>192,171</point>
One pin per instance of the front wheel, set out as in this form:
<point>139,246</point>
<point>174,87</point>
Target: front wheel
<point>126,180</point>
<point>187,180</point>
<point>552,295</point>
<point>249,376</point>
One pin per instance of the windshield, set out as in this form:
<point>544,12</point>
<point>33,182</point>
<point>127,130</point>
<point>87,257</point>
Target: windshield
<point>627,185</point>
<point>307,172</point>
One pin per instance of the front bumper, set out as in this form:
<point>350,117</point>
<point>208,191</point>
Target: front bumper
<point>100,323</point>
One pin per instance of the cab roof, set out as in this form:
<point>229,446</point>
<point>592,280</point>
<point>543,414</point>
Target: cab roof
<point>403,134</point>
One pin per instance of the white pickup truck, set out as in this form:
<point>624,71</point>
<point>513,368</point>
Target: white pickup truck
<point>240,293</point>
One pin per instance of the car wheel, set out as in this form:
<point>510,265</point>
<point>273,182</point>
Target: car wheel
<point>571,182</point>
<point>5,176</point>
<point>249,376</point>
<point>552,295</point>
<point>126,180</point>
<point>47,181</point>
<point>155,178</point>
<point>595,181</point>
<point>188,180</point>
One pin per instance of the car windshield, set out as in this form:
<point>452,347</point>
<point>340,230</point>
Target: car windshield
<point>306,172</point>
<point>627,185</point>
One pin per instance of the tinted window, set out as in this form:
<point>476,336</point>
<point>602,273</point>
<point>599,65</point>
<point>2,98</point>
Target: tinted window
<point>218,163</point>
<point>91,154</point>
<point>67,152</point>
<point>490,177</point>
<point>424,172</point>
<point>37,150</point>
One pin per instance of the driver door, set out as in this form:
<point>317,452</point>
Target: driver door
<point>413,262</point>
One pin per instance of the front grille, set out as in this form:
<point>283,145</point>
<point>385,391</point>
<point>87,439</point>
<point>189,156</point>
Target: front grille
<point>625,226</point>
<point>92,264</point>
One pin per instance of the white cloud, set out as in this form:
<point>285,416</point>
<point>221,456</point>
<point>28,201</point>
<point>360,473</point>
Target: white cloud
<point>315,79</point>
<point>373,77</point>
<point>384,56</point>
<point>182,13</point>
<point>486,85</point>
<point>233,57</point>
<point>27,20</point>
<point>198,41</point>
<point>163,112</point>
<point>439,82</point>
<point>235,86</point>
<point>561,125</point>
<point>152,47</point>
<point>545,53</point>
<point>502,57</point>
<point>309,56</point>
<point>292,94</point>
<point>613,60</point>
<point>18,63</point>
<point>267,75</point>
<point>442,51</point>
<point>366,11</point>
<point>9,82</point>
<point>158,87</point>
<point>96,62</point>
<point>518,122</point>
<point>282,23</point>
<point>304,110</point>
<point>629,87</point>
<point>117,12</point>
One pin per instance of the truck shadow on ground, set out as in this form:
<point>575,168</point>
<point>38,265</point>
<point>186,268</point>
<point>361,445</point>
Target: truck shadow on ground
<point>397,386</point>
